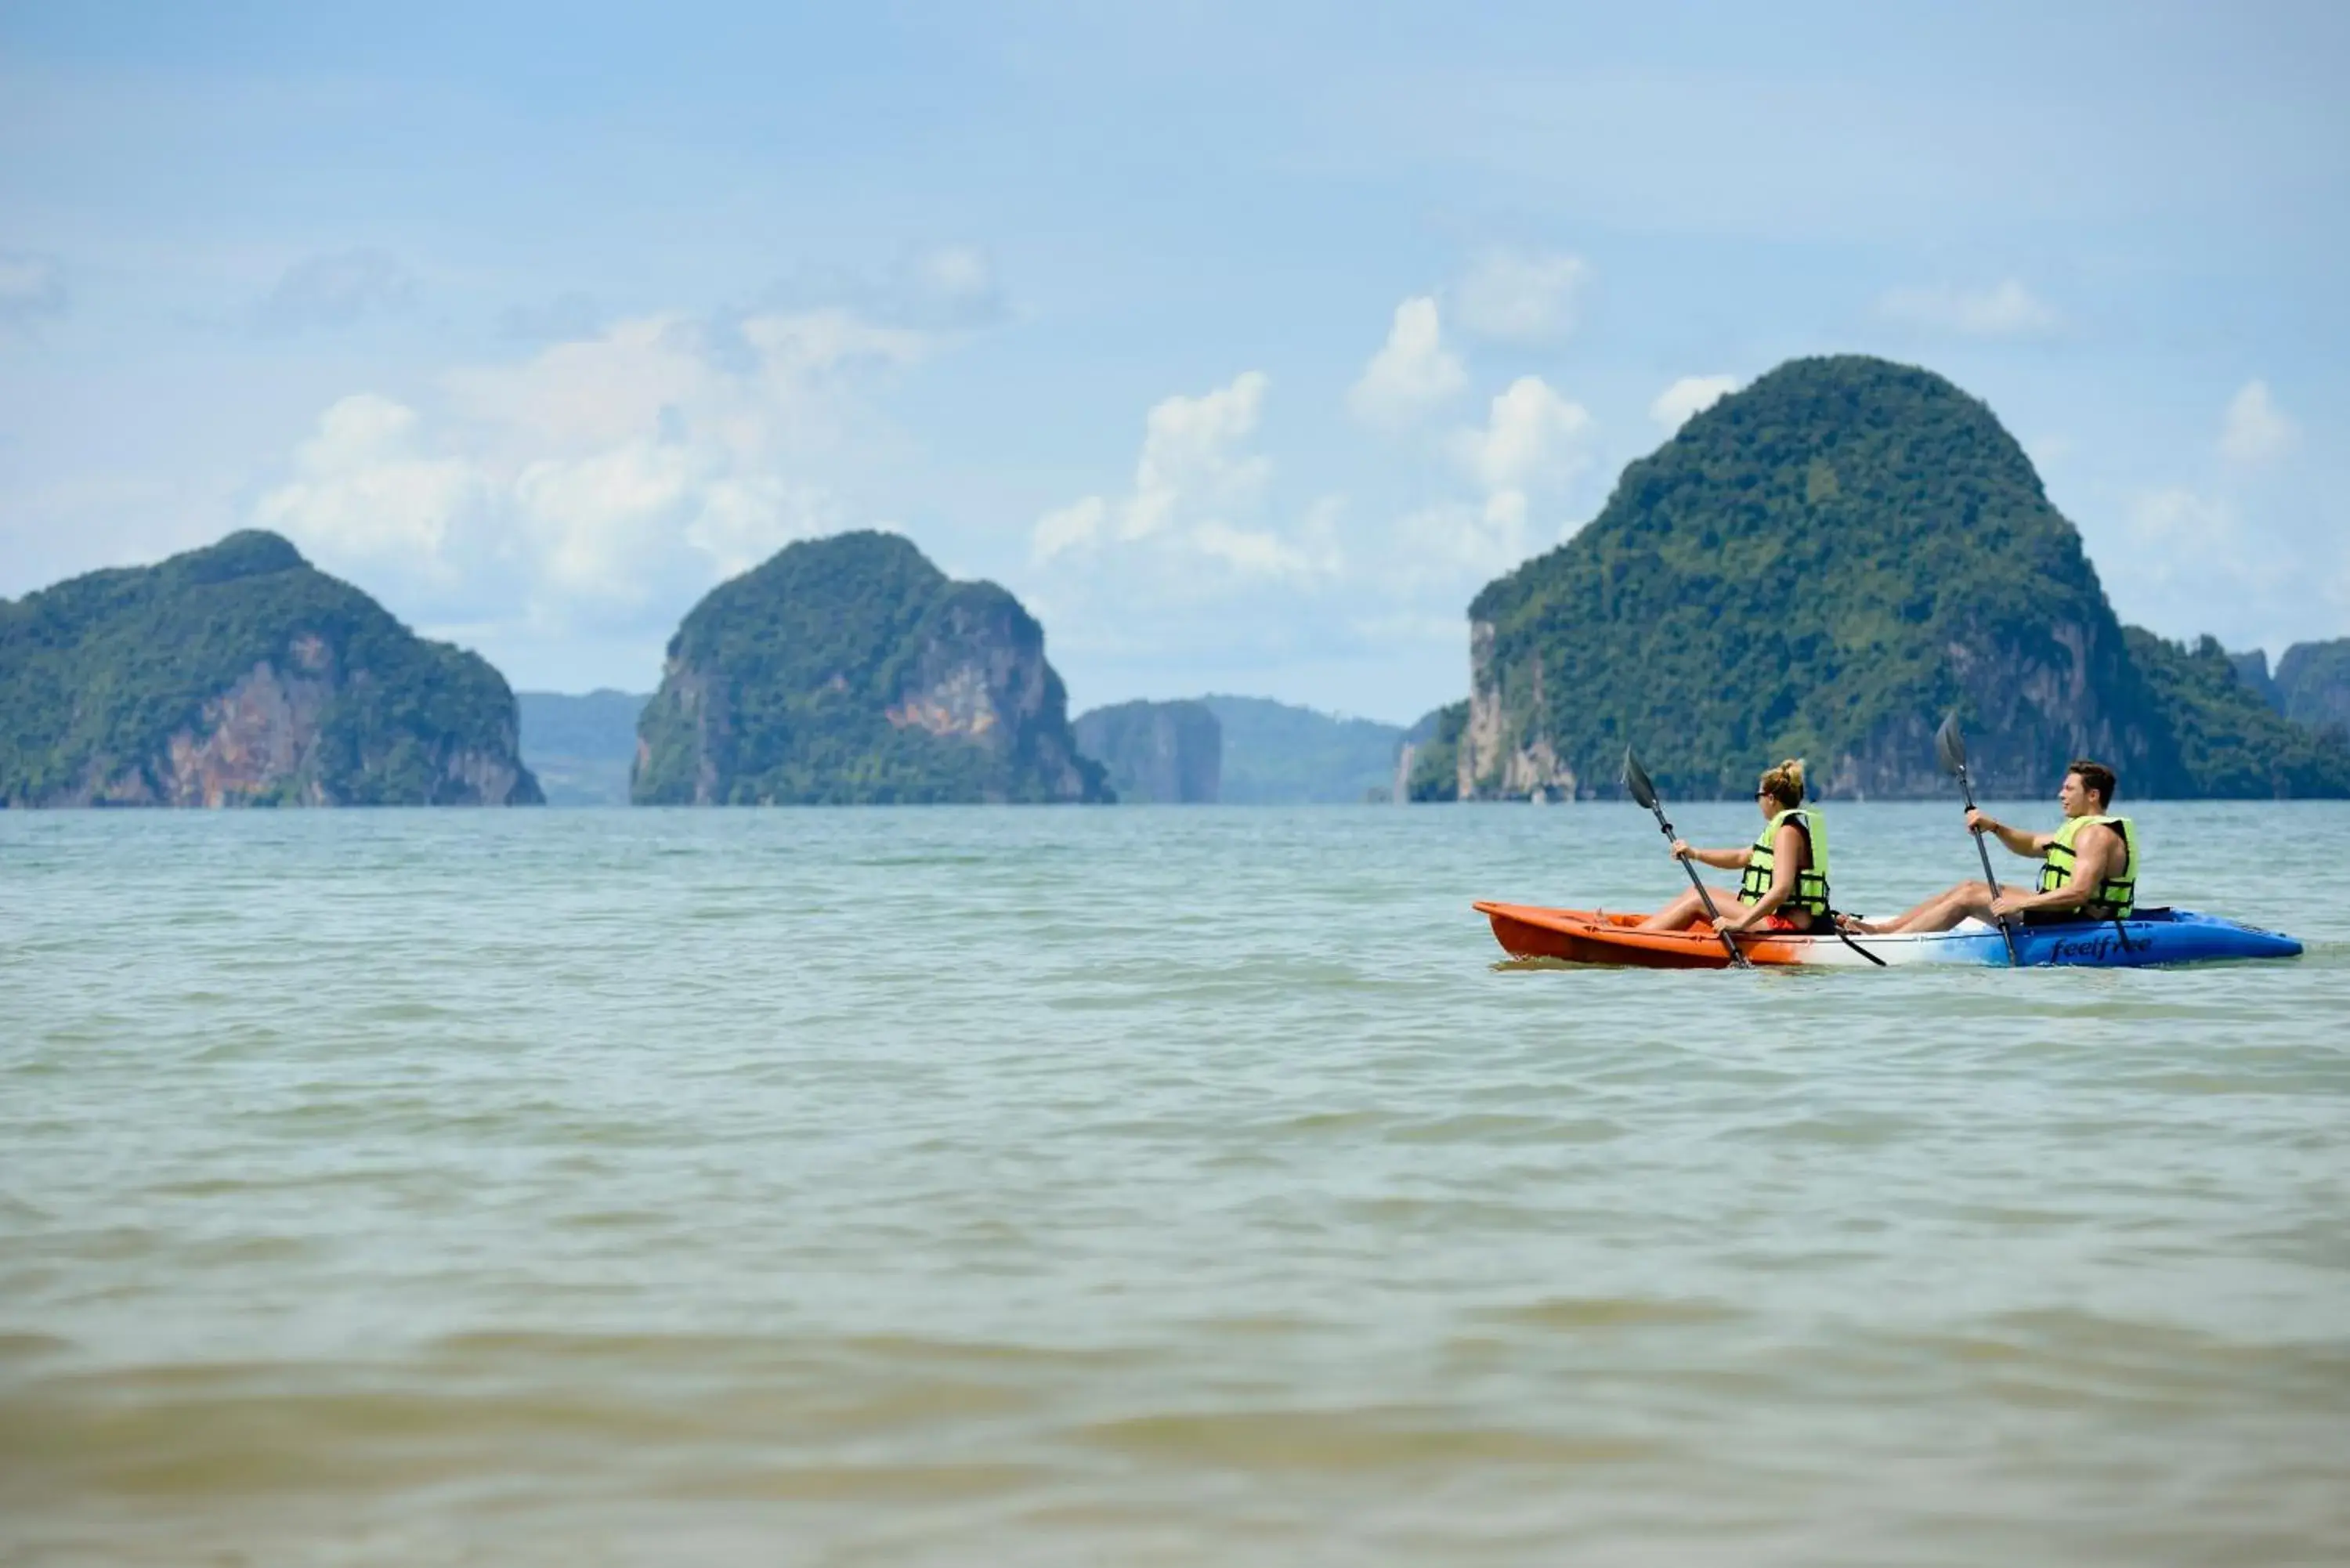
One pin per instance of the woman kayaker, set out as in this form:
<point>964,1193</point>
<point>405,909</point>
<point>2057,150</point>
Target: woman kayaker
<point>1785,883</point>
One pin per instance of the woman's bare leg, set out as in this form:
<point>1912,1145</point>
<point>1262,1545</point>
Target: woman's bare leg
<point>1685,911</point>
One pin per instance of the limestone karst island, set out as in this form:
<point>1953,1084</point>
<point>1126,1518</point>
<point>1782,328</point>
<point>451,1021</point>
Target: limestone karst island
<point>240,675</point>
<point>1823,565</point>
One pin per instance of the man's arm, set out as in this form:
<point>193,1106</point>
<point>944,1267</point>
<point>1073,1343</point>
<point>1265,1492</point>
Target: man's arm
<point>2092,851</point>
<point>2018,842</point>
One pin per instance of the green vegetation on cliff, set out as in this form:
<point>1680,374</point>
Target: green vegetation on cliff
<point>1821,566</point>
<point>2234,745</point>
<point>850,670</point>
<point>239,674</point>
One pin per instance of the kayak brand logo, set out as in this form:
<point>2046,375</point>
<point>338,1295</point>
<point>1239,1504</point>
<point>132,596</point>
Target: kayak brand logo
<point>2083,949</point>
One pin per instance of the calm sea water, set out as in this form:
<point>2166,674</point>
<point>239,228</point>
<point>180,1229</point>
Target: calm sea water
<point>1144,1187</point>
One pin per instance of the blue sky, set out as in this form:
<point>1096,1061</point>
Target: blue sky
<point>1244,343</point>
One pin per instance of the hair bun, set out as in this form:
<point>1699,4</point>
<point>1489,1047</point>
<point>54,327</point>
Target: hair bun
<point>1786,783</point>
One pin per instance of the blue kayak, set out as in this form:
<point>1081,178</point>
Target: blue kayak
<point>2147,937</point>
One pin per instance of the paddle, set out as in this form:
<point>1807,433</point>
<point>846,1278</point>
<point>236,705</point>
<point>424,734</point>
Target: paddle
<point>1952,747</point>
<point>1636,779</point>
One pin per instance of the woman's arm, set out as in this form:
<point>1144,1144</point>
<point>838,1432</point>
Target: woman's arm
<point>1719,859</point>
<point>1787,852</point>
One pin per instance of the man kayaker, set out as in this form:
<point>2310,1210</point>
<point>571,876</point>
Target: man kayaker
<point>1785,883</point>
<point>2088,869</point>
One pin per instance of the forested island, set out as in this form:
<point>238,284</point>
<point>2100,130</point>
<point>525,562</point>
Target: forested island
<point>1822,566</point>
<point>850,670</point>
<point>241,675</point>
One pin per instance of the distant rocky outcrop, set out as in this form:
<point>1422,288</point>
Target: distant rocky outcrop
<point>1822,566</point>
<point>2232,743</point>
<point>2253,673</point>
<point>2313,683</point>
<point>240,675</point>
<point>1277,753</point>
<point>1428,761</point>
<point>581,747</point>
<point>1169,753</point>
<point>850,670</point>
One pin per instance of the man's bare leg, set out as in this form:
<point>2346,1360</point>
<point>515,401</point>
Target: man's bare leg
<point>1967,899</point>
<point>1938,913</point>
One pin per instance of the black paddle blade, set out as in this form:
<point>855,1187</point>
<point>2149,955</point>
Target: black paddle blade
<point>1635,780</point>
<point>1952,746</point>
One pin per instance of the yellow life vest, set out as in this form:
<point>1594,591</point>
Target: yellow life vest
<point>2116,896</point>
<point>1811,892</point>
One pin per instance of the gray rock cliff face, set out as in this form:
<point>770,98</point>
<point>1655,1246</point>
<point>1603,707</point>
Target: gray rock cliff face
<point>260,739</point>
<point>1165,752</point>
<point>2033,708</point>
<point>1506,753</point>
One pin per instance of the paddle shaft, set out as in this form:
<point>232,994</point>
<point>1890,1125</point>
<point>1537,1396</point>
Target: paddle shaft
<point>1966,791</point>
<point>1705,895</point>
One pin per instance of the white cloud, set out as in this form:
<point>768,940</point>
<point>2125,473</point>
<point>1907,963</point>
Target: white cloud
<point>1533,442</point>
<point>30,287</point>
<point>335,291</point>
<point>937,289</point>
<point>1411,374</point>
<point>1689,397</point>
<point>1193,456</point>
<point>2256,430</point>
<point>1313,554</point>
<point>1519,297</point>
<point>567,316</point>
<point>364,493</point>
<point>1075,526</point>
<point>957,283</point>
<point>2186,561</point>
<point>1197,498</point>
<point>602,482</point>
<point>2007,309</point>
<point>2190,556</point>
<point>1532,438</point>
<point>2046,451</point>
<point>1460,541</point>
<point>759,389</point>
<point>2176,519</point>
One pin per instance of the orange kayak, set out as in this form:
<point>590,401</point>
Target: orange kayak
<point>1594,936</point>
